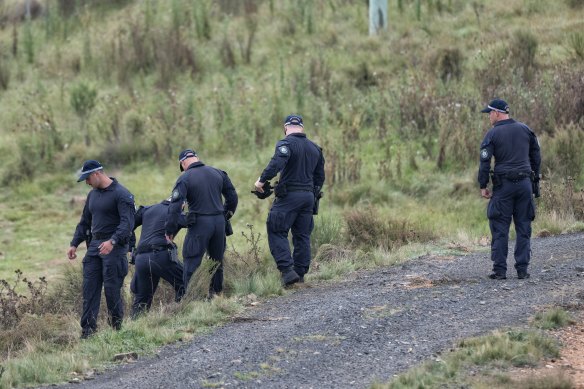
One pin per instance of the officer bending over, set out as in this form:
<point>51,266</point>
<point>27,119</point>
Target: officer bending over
<point>202,187</point>
<point>301,166</point>
<point>517,165</point>
<point>106,223</point>
<point>155,257</point>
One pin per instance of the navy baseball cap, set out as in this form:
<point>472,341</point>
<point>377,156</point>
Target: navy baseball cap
<point>89,167</point>
<point>293,120</point>
<point>188,153</point>
<point>497,105</point>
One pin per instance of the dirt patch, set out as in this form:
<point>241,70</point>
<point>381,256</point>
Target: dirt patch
<point>571,360</point>
<point>415,282</point>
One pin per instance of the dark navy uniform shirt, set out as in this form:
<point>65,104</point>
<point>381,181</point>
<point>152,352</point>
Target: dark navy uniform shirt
<point>298,160</point>
<point>107,212</point>
<point>515,148</point>
<point>152,219</point>
<point>201,186</point>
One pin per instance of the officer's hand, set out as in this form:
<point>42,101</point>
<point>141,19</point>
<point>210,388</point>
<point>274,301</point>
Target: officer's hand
<point>106,247</point>
<point>486,193</point>
<point>259,186</point>
<point>72,253</point>
<point>169,238</point>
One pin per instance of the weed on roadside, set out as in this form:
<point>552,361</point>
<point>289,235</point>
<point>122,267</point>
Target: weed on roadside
<point>551,319</point>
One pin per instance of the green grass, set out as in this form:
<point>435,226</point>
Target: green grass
<point>484,354</point>
<point>398,139</point>
<point>484,361</point>
<point>553,318</point>
<point>144,336</point>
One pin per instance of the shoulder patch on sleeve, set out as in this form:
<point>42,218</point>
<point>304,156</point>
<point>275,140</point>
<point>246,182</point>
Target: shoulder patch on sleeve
<point>283,150</point>
<point>175,195</point>
<point>484,154</point>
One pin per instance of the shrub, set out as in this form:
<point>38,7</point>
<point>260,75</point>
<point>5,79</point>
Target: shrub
<point>568,95</point>
<point>32,329</point>
<point>493,74</point>
<point>82,100</point>
<point>448,64</point>
<point>366,228</point>
<point>64,297</point>
<point>576,45</point>
<point>554,318</point>
<point>250,261</point>
<point>575,4</point>
<point>4,73</point>
<point>560,199</point>
<point>523,49</point>
<point>564,152</point>
<point>327,229</point>
<point>227,54</point>
<point>13,305</point>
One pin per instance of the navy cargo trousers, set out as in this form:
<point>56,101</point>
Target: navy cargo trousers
<point>108,271</point>
<point>150,268</point>
<point>512,199</point>
<point>292,212</point>
<point>206,235</point>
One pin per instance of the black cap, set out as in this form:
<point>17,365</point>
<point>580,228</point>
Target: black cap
<point>89,167</point>
<point>293,120</point>
<point>497,105</point>
<point>188,153</point>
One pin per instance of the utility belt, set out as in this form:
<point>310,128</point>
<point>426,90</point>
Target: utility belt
<point>516,176</point>
<point>152,248</point>
<point>282,189</point>
<point>192,217</point>
<point>510,176</point>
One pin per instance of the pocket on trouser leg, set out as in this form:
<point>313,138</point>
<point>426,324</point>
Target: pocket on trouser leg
<point>493,211</point>
<point>531,210</point>
<point>277,222</point>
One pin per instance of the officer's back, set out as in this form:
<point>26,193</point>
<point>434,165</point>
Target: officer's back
<point>302,162</point>
<point>152,219</point>
<point>205,184</point>
<point>511,144</point>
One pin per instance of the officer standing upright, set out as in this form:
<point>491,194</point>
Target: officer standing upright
<point>155,257</point>
<point>201,187</point>
<point>300,163</point>
<point>517,167</point>
<point>106,223</point>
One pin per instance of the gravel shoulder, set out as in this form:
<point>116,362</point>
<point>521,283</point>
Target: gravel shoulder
<point>365,328</point>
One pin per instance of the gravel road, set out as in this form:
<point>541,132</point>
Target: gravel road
<point>366,328</point>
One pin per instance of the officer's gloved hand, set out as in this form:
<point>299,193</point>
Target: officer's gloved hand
<point>268,190</point>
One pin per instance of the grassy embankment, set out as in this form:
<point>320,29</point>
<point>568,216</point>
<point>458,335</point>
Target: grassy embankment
<point>132,83</point>
<point>487,361</point>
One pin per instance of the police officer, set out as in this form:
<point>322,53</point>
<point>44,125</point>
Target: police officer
<point>517,163</point>
<point>201,187</point>
<point>301,166</point>
<point>155,257</point>
<point>106,223</point>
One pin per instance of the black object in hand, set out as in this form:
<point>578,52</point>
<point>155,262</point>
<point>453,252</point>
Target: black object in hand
<point>268,190</point>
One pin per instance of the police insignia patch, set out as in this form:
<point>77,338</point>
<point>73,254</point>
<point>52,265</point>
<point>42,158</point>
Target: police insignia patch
<point>175,195</point>
<point>484,154</point>
<point>283,149</point>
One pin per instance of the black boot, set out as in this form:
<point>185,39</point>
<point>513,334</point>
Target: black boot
<point>301,272</point>
<point>289,276</point>
<point>87,332</point>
